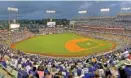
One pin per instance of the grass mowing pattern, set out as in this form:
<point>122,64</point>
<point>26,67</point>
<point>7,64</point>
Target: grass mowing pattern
<point>55,44</point>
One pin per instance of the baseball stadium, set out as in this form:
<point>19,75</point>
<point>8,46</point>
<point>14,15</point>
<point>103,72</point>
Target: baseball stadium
<point>46,40</point>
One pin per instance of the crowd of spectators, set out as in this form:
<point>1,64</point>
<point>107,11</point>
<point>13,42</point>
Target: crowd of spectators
<point>16,36</point>
<point>52,30</point>
<point>116,64</point>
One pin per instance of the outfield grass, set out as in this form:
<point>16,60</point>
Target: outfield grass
<point>55,44</point>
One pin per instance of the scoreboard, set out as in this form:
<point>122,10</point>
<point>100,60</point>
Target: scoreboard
<point>51,24</point>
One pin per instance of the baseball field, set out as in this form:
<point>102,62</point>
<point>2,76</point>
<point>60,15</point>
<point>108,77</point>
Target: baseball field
<point>64,44</point>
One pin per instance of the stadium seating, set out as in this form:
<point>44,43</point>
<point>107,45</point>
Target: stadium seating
<point>113,64</point>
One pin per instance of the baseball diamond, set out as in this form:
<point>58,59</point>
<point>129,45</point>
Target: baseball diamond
<point>64,44</point>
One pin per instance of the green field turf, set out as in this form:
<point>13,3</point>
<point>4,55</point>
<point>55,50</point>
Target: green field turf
<point>55,44</point>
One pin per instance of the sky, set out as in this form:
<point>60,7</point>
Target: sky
<point>64,9</point>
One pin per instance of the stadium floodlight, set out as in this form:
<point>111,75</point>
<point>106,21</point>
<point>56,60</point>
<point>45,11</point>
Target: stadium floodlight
<point>50,11</point>
<point>104,12</point>
<point>12,21</point>
<point>82,12</point>
<point>125,8</point>
<point>105,9</point>
<point>12,14</point>
<point>12,9</point>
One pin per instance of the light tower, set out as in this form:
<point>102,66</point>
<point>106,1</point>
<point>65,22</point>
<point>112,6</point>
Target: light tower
<point>12,21</point>
<point>51,12</point>
<point>81,13</point>
<point>104,12</point>
<point>125,10</point>
<point>12,15</point>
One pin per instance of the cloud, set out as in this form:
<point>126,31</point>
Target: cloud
<point>64,9</point>
<point>86,5</point>
<point>113,5</point>
<point>125,4</point>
